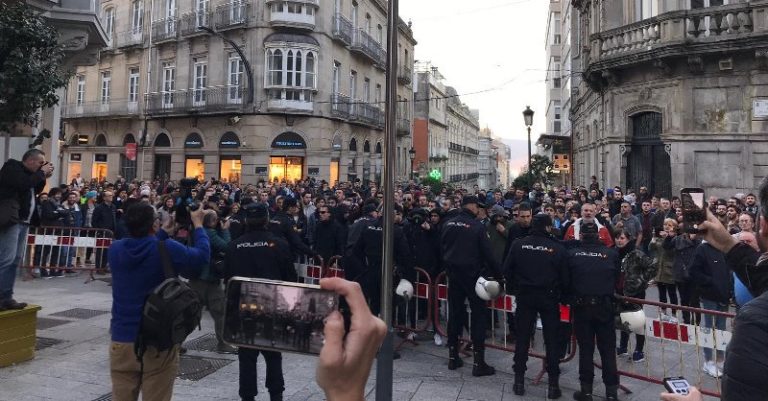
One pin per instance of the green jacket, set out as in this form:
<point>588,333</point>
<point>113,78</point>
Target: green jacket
<point>219,240</point>
<point>665,261</point>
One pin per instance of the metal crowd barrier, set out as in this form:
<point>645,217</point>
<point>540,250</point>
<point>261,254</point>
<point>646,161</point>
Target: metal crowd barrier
<point>51,251</point>
<point>414,316</point>
<point>333,268</point>
<point>676,348</point>
<point>499,338</point>
<point>309,269</point>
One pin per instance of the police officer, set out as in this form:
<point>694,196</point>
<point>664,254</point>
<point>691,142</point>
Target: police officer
<point>261,254</point>
<point>594,270</point>
<point>466,249</point>
<point>367,261</point>
<point>535,268</point>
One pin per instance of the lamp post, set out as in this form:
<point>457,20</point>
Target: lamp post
<point>528,116</point>
<point>412,155</point>
<point>246,63</point>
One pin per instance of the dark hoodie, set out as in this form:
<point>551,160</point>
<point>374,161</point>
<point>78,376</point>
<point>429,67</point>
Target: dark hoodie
<point>137,270</point>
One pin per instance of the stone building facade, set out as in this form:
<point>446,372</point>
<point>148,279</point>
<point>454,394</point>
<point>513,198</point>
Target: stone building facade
<point>305,98</point>
<point>671,94</point>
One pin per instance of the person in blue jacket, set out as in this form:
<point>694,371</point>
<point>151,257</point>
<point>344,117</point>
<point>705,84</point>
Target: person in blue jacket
<point>136,270</point>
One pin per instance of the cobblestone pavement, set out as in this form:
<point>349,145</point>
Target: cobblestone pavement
<point>73,364</point>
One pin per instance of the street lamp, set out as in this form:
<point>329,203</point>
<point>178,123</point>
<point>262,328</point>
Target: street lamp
<point>528,116</point>
<point>412,155</point>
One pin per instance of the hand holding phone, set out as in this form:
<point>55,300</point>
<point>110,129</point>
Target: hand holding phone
<point>677,385</point>
<point>693,395</point>
<point>693,208</point>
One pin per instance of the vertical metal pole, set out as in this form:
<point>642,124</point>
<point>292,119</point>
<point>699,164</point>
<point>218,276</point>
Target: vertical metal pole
<point>530,173</point>
<point>384,362</point>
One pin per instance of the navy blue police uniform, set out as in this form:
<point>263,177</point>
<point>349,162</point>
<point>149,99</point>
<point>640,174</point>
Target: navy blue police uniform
<point>258,253</point>
<point>594,270</point>
<point>535,268</point>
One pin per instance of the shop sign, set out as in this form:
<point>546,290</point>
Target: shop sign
<point>76,157</point>
<point>313,171</point>
<point>261,170</point>
<point>130,151</point>
<point>100,158</point>
<point>193,141</point>
<point>289,140</point>
<point>229,141</point>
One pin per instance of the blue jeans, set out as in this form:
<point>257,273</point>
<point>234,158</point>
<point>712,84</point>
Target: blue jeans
<point>719,324</point>
<point>12,244</point>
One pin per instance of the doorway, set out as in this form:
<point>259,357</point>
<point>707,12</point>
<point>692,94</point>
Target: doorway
<point>648,164</point>
<point>195,167</point>
<point>334,177</point>
<point>230,168</point>
<point>162,167</point>
<point>288,168</point>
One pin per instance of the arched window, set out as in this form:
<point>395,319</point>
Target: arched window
<point>129,138</point>
<point>193,140</point>
<point>366,147</point>
<point>289,69</point>
<point>310,70</point>
<point>353,145</point>
<point>378,147</point>
<point>275,67</point>
<point>162,141</point>
<point>101,140</point>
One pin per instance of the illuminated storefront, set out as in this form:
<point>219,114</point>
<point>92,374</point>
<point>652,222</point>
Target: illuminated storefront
<point>75,166</point>
<point>99,170</point>
<point>230,165</point>
<point>194,165</point>
<point>289,165</point>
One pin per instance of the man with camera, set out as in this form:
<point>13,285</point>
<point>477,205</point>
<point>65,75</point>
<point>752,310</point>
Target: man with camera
<point>20,182</point>
<point>259,253</point>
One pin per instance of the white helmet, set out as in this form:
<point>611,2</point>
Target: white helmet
<point>633,321</point>
<point>404,289</point>
<point>487,289</point>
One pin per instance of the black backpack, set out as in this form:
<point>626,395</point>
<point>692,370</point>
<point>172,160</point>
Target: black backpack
<point>171,312</point>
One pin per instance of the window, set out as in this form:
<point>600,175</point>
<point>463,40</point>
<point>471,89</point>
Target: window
<point>169,83</point>
<point>236,70</point>
<point>133,85</point>
<point>377,97</point>
<point>291,74</point>
<point>354,16</point>
<point>367,90</point>
<point>353,85</point>
<point>170,15</point>
<point>109,22</point>
<point>237,11</point>
<point>558,110</point>
<point>336,72</point>
<point>379,34</point>
<point>106,86</point>
<point>405,58</point>
<point>80,90</point>
<point>200,81</point>
<point>368,23</point>
<point>695,4</point>
<point>137,16</point>
<point>201,12</point>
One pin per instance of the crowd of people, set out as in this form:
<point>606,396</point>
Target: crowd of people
<point>466,232</point>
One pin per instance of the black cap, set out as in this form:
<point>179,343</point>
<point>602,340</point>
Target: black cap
<point>589,228</point>
<point>290,202</point>
<point>541,221</point>
<point>370,207</point>
<point>470,199</point>
<point>256,211</point>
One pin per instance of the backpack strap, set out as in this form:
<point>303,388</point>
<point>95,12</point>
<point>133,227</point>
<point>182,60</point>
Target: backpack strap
<point>165,258</point>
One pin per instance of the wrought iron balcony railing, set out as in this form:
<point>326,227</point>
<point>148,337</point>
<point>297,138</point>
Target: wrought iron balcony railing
<point>112,108</point>
<point>197,100</point>
<point>132,37</point>
<point>365,44</point>
<point>165,29</point>
<point>342,29</point>
<point>232,15</point>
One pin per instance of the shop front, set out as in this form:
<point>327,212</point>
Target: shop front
<point>99,169</point>
<point>286,163</point>
<point>230,164</point>
<point>194,162</point>
<point>162,164</point>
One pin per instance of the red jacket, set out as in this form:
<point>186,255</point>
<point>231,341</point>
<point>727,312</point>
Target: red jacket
<point>605,235</point>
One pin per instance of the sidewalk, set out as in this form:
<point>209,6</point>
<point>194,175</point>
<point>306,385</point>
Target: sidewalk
<point>72,364</point>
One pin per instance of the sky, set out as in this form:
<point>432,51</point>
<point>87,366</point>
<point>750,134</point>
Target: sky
<point>496,47</point>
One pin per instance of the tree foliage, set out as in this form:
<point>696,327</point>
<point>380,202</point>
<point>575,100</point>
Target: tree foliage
<point>541,171</point>
<point>30,65</point>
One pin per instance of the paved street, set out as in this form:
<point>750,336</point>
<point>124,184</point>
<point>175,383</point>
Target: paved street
<point>74,365</point>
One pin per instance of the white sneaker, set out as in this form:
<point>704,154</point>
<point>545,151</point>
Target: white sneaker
<point>438,340</point>
<point>711,369</point>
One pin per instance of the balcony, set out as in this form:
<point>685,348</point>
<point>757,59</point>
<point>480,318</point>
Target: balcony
<point>291,99</point>
<point>365,44</point>
<point>404,75</point>
<point>403,126</point>
<point>193,101</point>
<point>190,22</point>
<point>680,33</point>
<point>232,15</point>
<point>368,114</point>
<point>166,29</point>
<point>342,29</point>
<point>293,14</point>
<point>130,38</point>
<point>455,147</point>
<point>111,108</point>
<point>340,106</point>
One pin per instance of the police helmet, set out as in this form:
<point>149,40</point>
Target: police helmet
<point>256,213</point>
<point>487,289</point>
<point>404,289</point>
<point>632,320</point>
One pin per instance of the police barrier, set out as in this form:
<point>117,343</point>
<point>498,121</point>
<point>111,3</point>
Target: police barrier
<point>51,251</point>
<point>333,267</point>
<point>413,316</point>
<point>309,269</point>
<point>679,341</point>
<point>501,337</point>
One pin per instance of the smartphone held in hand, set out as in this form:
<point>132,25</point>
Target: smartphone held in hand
<point>276,315</point>
<point>694,212</point>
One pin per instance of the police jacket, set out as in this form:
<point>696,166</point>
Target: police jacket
<point>21,184</point>
<point>282,225</point>
<point>424,246</point>
<point>516,231</point>
<point>593,270</point>
<point>353,234</point>
<point>367,252</point>
<point>465,246</point>
<point>746,361</point>
<point>259,254</point>
<point>536,262</point>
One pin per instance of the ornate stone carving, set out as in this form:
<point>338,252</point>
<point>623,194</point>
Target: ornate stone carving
<point>695,64</point>
<point>625,149</point>
<point>668,149</point>
<point>611,77</point>
<point>663,67</point>
<point>644,94</point>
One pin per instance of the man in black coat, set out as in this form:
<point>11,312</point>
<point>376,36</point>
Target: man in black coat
<point>105,217</point>
<point>329,235</point>
<point>20,182</point>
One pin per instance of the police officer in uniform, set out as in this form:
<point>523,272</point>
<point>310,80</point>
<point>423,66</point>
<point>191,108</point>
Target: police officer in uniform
<point>535,267</point>
<point>594,270</point>
<point>466,249</point>
<point>259,253</point>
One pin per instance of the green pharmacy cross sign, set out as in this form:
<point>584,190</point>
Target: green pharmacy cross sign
<point>435,174</point>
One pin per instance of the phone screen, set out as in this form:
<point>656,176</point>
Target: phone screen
<point>276,315</point>
<point>693,206</point>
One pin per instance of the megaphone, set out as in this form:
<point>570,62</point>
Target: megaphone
<point>487,289</point>
<point>404,289</point>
